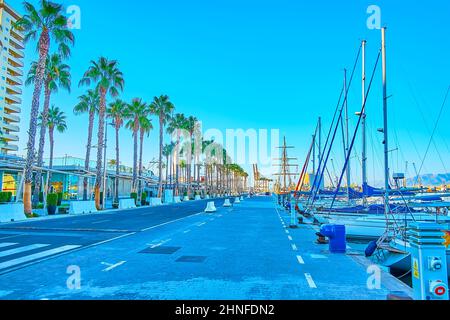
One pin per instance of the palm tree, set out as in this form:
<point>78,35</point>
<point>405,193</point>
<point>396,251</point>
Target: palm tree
<point>162,108</point>
<point>167,152</point>
<point>191,125</point>
<point>48,23</point>
<point>117,111</point>
<point>108,79</point>
<point>176,124</point>
<point>57,74</point>
<point>145,126</point>
<point>136,110</point>
<point>88,103</point>
<point>56,120</point>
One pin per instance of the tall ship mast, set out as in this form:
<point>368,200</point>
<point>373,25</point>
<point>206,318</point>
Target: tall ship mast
<point>285,175</point>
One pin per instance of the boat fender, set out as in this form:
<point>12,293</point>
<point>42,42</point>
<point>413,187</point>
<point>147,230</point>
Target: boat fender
<point>371,248</point>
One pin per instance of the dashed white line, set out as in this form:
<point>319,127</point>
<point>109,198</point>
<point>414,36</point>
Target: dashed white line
<point>290,238</point>
<point>201,224</point>
<point>287,231</point>
<point>99,222</point>
<point>160,244</point>
<point>114,266</point>
<point>300,260</point>
<point>294,247</point>
<point>310,280</point>
<point>187,231</point>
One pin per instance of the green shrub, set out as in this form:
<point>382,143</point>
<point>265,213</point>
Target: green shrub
<point>5,197</point>
<point>60,198</point>
<point>144,198</point>
<point>41,197</point>
<point>52,200</point>
<point>134,196</point>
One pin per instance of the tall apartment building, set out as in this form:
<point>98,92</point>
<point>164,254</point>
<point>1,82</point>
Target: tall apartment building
<point>11,73</point>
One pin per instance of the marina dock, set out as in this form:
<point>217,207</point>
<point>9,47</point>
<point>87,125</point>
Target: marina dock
<point>244,252</point>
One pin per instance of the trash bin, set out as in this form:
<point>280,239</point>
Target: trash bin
<point>337,236</point>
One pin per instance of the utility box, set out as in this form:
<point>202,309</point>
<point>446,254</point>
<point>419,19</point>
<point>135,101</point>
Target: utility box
<point>429,261</point>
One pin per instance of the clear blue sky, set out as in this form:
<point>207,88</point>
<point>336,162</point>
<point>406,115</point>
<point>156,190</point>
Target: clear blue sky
<point>268,64</point>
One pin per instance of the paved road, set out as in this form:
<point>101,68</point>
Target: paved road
<point>24,244</point>
<point>244,252</point>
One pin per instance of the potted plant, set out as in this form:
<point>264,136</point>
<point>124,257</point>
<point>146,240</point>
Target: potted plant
<point>60,198</point>
<point>134,196</point>
<point>52,203</point>
<point>144,198</point>
<point>5,197</point>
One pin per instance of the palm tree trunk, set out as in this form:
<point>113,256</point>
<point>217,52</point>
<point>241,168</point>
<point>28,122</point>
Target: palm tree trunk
<point>88,153</point>
<point>43,129</point>
<point>52,145</point>
<point>135,159</point>
<point>161,136</point>
<point>116,193</point>
<point>44,45</point>
<point>100,146</point>
<point>141,152</point>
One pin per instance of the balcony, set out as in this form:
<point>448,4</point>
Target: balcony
<point>9,148</point>
<point>14,79</point>
<point>11,99</point>
<point>9,137</point>
<point>17,71</point>
<point>10,117</point>
<point>16,62</point>
<point>16,53</point>
<point>13,89</point>
<point>16,44</point>
<point>11,108</point>
<point>17,35</point>
<point>11,127</point>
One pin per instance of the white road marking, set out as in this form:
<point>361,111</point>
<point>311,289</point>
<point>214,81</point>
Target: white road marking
<point>99,222</point>
<point>170,222</point>
<point>22,249</point>
<point>114,266</point>
<point>160,244</point>
<point>36,256</point>
<point>318,256</point>
<point>290,238</point>
<point>294,247</point>
<point>201,224</point>
<point>10,237</point>
<point>187,231</point>
<point>300,260</point>
<point>310,280</point>
<point>7,244</point>
<point>287,231</point>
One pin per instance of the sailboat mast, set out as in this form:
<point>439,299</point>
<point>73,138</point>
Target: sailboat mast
<point>347,134</point>
<point>385,113</point>
<point>363,124</point>
<point>320,143</point>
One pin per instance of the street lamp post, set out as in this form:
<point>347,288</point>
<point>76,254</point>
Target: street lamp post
<point>105,166</point>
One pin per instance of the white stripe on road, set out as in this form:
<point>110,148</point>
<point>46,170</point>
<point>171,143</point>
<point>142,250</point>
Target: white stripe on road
<point>170,222</point>
<point>22,249</point>
<point>290,238</point>
<point>187,231</point>
<point>310,280</point>
<point>103,221</point>
<point>201,224</point>
<point>160,244</point>
<point>300,260</point>
<point>10,237</point>
<point>114,266</point>
<point>287,231</point>
<point>4,245</point>
<point>36,256</point>
<point>294,247</point>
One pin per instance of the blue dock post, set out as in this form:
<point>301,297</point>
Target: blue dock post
<point>294,218</point>
<point>337,236</point>
<point>429,261</point>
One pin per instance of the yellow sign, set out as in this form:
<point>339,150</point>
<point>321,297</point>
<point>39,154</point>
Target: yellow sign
<point>447,239</point>
<point>416,272</point>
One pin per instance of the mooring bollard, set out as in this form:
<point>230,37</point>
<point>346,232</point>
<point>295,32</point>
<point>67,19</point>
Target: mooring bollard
<point>227,203</point>
<point>294,219</point>
<point>237,200</point>
<point>211,207</point>
<point>429,261</point>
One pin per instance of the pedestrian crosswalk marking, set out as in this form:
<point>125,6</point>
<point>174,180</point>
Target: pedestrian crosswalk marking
<point>36,256</point>
<point>22,249</point>
<point>4,245</point>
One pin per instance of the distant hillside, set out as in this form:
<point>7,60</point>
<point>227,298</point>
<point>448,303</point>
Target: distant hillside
<point>432,180</point>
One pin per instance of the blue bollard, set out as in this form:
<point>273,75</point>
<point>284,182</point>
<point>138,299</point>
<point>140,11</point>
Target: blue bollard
<point>337,236</point>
